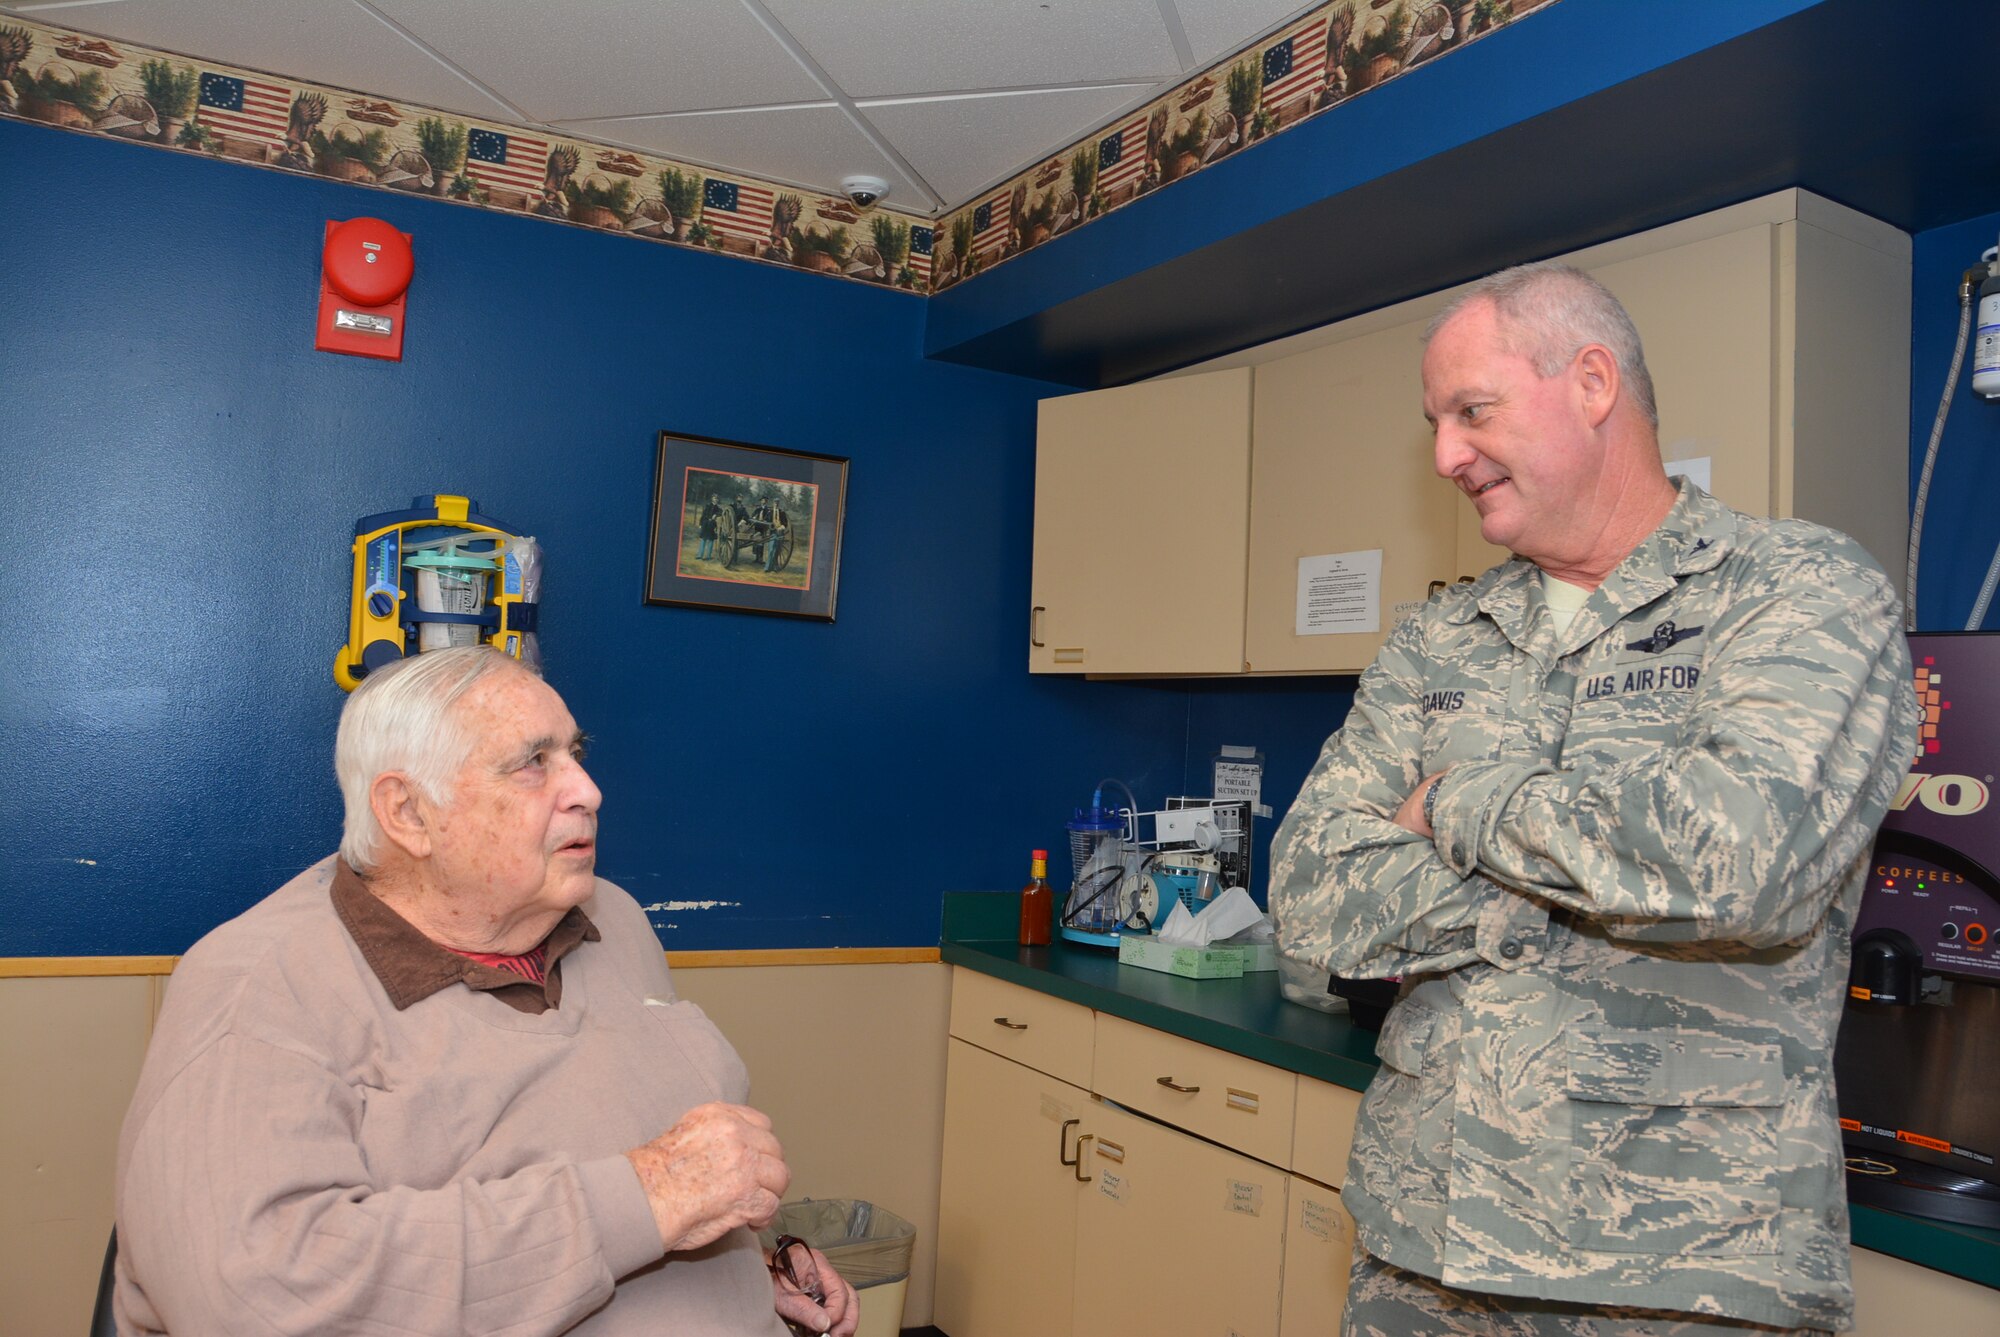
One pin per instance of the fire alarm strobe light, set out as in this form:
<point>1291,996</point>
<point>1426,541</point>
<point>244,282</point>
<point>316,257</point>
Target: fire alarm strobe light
<point>364,280</point>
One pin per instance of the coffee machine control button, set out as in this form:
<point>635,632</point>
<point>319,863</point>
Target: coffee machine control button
<point>1947,930</point>
<point>1976,934</point>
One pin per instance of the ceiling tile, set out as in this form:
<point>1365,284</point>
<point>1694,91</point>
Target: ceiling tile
<point>1215,28</point>
<point>963,144</point>
<point>330,42</point>
<point>1054,70</point>
<point>814,146</point>
<point>563,62</point>
<point>876,47</point>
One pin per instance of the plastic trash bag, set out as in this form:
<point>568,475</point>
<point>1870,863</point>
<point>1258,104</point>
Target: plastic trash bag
<point>866,1244</point>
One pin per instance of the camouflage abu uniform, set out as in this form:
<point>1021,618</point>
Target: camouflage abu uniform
<point>1609,1078</point>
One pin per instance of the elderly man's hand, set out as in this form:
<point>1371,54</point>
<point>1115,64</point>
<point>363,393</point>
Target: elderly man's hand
<point>720,1167</point>
<point>839,1316</point>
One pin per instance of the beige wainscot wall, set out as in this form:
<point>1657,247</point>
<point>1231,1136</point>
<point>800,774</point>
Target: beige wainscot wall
<point>845,1049</point>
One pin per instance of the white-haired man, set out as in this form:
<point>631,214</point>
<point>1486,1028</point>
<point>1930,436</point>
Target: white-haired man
<point>1607,812</point>
<point>423,1086</point>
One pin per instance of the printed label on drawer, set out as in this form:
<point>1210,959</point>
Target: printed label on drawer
<point>1111,1186</point>
<point>1246,1197</point>
<point>1055,1111</point>
<point>1240,1100</point>
<point>1318,1218</point>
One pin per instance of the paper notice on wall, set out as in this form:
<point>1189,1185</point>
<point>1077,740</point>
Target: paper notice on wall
<point>1340,592</point>
<point>1694,470</point>
<point>1239,776</point>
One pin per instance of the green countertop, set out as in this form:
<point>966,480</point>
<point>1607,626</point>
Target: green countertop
<point>1246,1016</point>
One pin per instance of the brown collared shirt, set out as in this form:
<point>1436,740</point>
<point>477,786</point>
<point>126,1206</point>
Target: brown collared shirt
<point>411,967</point>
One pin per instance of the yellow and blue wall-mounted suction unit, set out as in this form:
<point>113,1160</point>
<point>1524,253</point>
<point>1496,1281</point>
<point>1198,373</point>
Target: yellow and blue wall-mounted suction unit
<point>437,575</point>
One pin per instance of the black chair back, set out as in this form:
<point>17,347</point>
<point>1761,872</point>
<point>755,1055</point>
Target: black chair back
<point>101,1322</point>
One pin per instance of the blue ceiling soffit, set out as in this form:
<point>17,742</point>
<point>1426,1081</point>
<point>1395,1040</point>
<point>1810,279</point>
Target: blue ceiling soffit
<point>1587,121</point>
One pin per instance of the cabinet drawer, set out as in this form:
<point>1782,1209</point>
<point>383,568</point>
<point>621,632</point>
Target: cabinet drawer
<point>1224,1097</point>
<point>1325,1130</point>
<point>1047,1034</point>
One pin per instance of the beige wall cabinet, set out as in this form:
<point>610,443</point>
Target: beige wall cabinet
<point>1777,332</point>
<point>1141,513</point>
<point>1192,1169</point>
<point>1007,1204</point>
<point>1015,1101</point>
<point>1032,1247</point>
<point>1174,1234</point>
<point>1893,1298</point>
<point>1319,1250</point>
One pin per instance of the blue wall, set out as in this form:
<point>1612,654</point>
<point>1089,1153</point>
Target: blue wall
<point>183,473</point>
<point>1962,521</point>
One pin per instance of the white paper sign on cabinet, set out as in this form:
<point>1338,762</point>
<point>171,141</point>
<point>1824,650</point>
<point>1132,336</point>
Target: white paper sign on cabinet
<point>1340,592</point>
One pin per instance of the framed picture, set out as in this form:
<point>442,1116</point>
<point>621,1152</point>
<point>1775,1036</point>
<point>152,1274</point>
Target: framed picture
<point>745,527</point>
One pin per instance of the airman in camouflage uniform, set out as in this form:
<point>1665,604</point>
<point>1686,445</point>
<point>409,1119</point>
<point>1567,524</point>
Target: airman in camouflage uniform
<point>1615,857</point>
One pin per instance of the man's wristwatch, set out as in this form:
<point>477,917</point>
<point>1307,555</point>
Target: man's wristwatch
<point>1431,803</point>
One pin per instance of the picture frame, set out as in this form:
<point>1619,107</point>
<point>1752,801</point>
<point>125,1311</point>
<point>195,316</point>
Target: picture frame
<point>746,528</point>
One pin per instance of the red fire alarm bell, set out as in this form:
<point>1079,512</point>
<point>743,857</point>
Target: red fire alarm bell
<point>364,276</point>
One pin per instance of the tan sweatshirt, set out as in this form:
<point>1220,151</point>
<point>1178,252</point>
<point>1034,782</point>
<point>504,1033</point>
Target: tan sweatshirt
<point>302,1157</point>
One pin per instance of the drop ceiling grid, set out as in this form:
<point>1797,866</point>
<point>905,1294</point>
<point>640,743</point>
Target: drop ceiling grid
<point>711,83</point>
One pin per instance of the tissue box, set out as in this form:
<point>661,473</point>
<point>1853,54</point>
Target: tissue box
<point>1196,963</point>
<point>1258,956</point>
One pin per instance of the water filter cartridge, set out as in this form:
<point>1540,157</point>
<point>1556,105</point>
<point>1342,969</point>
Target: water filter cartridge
<point>1986,342</point>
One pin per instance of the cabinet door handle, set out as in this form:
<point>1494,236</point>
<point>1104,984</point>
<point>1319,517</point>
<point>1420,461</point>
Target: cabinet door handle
<point>1081,1177</point>
<point>1010,1025</point>
<point>1173,1085</point>
<point>1435,586</point>
<point>1062,1143</point>
<point>1035,624</point>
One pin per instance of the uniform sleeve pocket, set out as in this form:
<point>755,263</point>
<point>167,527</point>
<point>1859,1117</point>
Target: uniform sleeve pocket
<point>1674,1145</point>
<point>1405,1035</point>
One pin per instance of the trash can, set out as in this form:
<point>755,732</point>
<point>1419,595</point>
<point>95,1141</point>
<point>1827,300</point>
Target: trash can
<point>867,1245</point>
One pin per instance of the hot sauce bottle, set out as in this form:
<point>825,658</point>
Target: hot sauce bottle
<point>1038,904</point>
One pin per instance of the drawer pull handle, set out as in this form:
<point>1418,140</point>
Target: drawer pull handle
<point>1173,1085</point>
<point>1240,1100</point>
<point>1010,1025</point>
<point>1110,1150</point>
<point>1062,1143</point>
<point>1081,1177</point>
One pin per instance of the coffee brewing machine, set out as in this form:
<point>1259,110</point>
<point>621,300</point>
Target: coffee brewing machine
<point>1917,1065</point>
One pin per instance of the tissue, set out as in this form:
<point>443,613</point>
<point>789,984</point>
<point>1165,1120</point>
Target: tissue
<point>1228,915</point>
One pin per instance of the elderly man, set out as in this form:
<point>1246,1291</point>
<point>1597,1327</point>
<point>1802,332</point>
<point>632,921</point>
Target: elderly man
<point>1606,811</point>
<point>441,1082</point>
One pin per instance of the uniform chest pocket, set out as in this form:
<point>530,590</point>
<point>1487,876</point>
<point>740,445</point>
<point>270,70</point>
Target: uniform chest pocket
<point>1634,701</point>
<point>1674,1142</point>
<point>1461,733</point>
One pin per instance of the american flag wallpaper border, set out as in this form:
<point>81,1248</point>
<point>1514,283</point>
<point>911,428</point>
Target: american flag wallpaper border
<point>1337,51</point>
<point>54,76</point>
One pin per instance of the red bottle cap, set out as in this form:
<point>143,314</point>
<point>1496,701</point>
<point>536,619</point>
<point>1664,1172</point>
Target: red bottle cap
<point>1039,854</point>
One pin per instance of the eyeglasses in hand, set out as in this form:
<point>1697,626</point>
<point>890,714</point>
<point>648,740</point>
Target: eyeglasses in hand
<point>792,1258</point>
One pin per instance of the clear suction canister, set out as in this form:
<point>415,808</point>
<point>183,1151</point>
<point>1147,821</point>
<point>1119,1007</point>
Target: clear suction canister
<point>1096,903</point>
